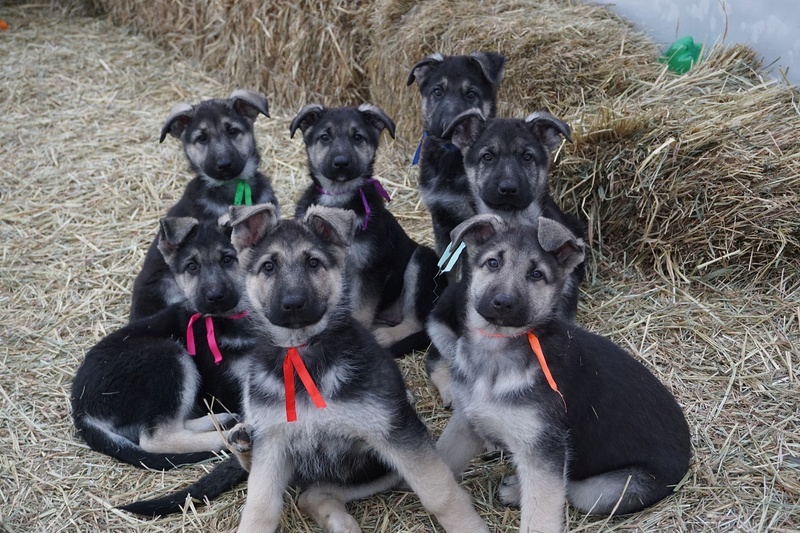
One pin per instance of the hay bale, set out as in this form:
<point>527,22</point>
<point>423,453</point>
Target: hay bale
<point>296,52</point>
<point>697,176</point>
<point>560,54</point>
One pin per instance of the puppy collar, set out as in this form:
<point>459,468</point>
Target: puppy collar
<point>448,147</point>
<point>367,211</point>
<point>291,363</point>
<point>244,195</point>
<point>210,336</point>
<point>536,348</point>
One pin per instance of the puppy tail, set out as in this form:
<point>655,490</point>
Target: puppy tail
<point>224,477</point>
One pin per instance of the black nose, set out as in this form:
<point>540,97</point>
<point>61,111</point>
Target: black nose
<point>224,164</point>
<point>508,188</point>
<point>215,296</point>
<point>341,161</point>
<point>293,302</point>
<point>503,303</point>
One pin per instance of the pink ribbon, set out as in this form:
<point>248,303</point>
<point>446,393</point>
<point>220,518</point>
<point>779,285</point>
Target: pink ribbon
<point>210,337</point>
<point>378,187</point>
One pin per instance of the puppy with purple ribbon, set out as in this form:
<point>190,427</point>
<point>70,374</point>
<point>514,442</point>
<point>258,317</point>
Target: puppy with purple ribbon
<point>394,279</point>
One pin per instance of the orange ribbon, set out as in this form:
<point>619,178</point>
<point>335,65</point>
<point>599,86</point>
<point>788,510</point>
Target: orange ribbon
<point>537,349</point>
<point>291,363</point>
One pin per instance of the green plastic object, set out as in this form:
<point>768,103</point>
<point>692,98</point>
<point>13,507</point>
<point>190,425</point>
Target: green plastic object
<point>682,55</point>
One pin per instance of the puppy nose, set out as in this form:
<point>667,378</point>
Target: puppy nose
<point>215,296</point>
<point>293,303</point>
<point>507,188</point>
<point>503,303</point>
<point>341,161</point>
<point>224,164</point>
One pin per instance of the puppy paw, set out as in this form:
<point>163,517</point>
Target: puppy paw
<point>510,491</point>
<point>240,439</point>
<point>384,336</point>
<point>340,523</point>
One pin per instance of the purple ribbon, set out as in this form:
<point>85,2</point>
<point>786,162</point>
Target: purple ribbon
<point>378,187</point>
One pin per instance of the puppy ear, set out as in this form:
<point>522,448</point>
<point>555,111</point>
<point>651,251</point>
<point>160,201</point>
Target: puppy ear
<point>548,128</point>
<point>556,239</point>
<point>251,223</point>
<point>421,70</point>
<point>172,232</point>
<point>377,118</point>
<point>477,230</point>
<point>249,103</point>
<point>337,226</point>
<point>307,117</point>
<point>465,129</point>
<point>179,117</point>
<point>491,64</point>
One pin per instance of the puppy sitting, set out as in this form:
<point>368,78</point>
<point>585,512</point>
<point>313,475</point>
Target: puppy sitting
<point>325,404</point>
<point>220,145</point>
<point>394,283</point>
<point>138,395</point>
<point>584,420</point>
<point>449,86</point>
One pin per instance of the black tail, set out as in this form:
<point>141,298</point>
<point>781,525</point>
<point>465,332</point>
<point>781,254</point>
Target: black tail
<point>129,452</point>
<point>224,477</point>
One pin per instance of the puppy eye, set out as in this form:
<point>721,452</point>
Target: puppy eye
<point>228,259</point>
<point>536,274</point>
<point>201,139</point>
<point>313,262</point>
<point>487,156</point>
<point>437,91</point>
<point>268,266</point>
<point>325,137</point>
<point>358,137</point>
<point>192,267</point>
<point>527,157</point>
<point>471,95</point>
<point>492,263</point>
<point>233,132</point>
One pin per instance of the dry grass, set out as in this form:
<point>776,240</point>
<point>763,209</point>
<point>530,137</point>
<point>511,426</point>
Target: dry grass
<point>84,182</point>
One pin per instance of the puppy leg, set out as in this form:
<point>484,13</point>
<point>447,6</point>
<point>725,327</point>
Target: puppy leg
<point>430,478</point>
<point>459,443</point>
<point>438,371</point>
<point>174,437</point>
<point>209,422</point>
<point>328,510</point>
<point>269,476</point>
<point>542,494</point>
<point>619,492</point>
<point>510,491</point>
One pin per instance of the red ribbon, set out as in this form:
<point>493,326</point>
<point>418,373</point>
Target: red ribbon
<point>210,337</point>
<point>291,363</point>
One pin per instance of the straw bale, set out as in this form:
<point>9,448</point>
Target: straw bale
<point>84,182</point>
<point>295,51</point>
<point>559,54</point>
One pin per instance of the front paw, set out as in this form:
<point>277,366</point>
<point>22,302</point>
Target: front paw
<point>240,439</point>
<point>510,491</point>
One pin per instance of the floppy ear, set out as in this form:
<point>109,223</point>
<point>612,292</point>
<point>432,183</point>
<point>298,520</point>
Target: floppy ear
<point>251,223</point>
<point>377,118</point>
<point>491,64</point>
<point>547,128</point>
<point>423,68</point>
<point>249,103</point>
<point>337,226</point>
<point>477,230</point>
<point>556,239</point>
<point>179,117</point>
<point>465,129</point>
<point>306,118</point>
<point>172,232</point>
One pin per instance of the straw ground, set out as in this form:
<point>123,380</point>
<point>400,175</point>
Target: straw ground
<point>84,182</point>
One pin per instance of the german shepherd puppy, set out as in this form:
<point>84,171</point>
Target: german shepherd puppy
<point>507,163</point>
<point>138,396</point>
<point>394,283</point>
<point>450,85</point>
<point>347,417</point>
<point>583,420</point>
<point>219,143</point>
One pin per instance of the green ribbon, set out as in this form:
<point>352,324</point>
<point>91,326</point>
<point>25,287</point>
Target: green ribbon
<point>243,192</point>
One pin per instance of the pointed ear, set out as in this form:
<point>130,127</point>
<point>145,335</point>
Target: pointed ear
<point>251,223</point>
<point>249,104</point>
<point>337,226</point>
<point>465,129</point>
<point>491,65</point>
<point>421,70</point>
<point>547,128</point>
<point>179,117</point>
<point>306,118</point>
<point>377,118</point>
<point>477,230</point>
<point>172,232</point>
<point>556,239</point>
